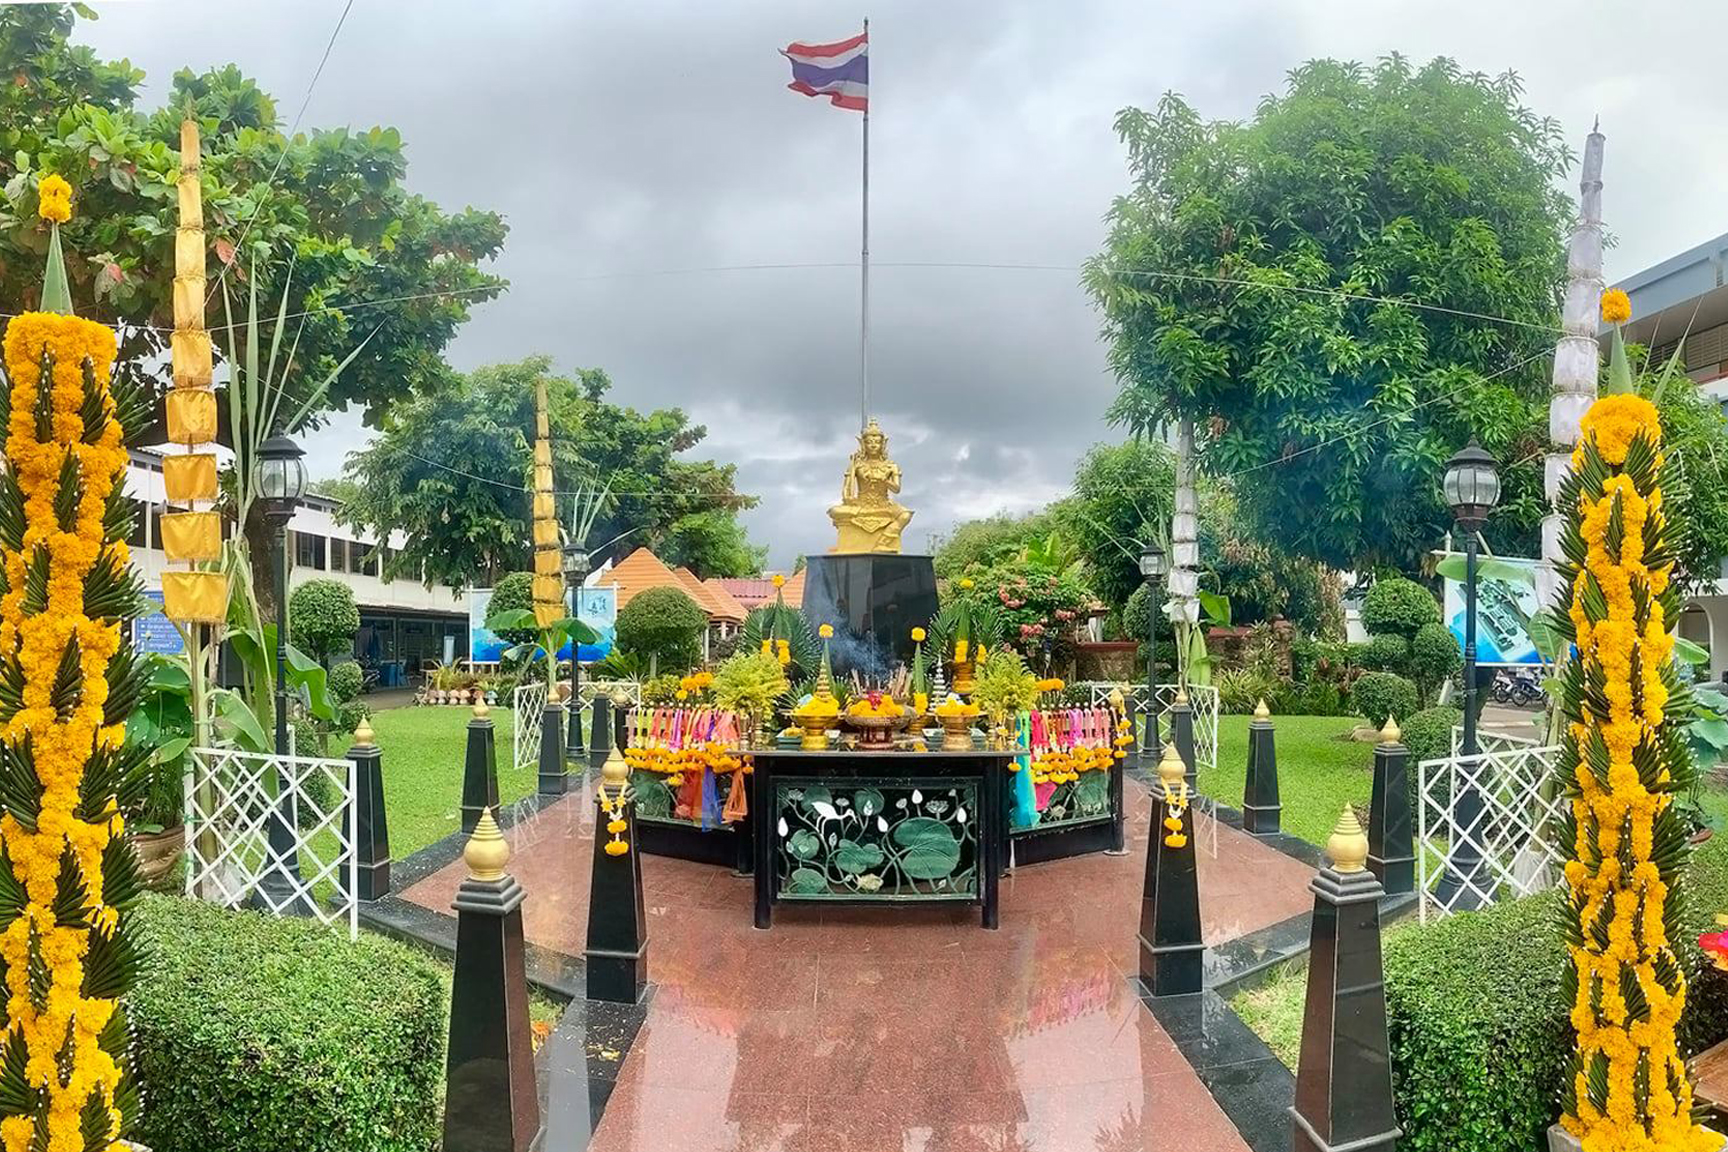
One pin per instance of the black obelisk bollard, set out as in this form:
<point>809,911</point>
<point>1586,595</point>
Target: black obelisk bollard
<point>616,955</point>
<point>490,1103</point>
<point>1391,847</point>
<point>554,768</point>
<point>1344,1074</point>
<point>1171,953</point>
<point>600,731</point>
<point>371,830</point>
<point>1182,735</point>
<point>480,768</point>
<point>1261,811</point>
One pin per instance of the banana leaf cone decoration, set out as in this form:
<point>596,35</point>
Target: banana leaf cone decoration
<point>1623,759</point>
<point>193,535</point>
<point>68,680</point>
<point>548,561</point>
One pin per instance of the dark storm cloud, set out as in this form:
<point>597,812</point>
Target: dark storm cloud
<point>627,139</point>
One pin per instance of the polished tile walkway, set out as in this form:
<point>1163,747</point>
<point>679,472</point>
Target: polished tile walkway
<point>864,1030</point>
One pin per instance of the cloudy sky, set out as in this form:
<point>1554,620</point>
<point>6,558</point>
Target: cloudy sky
<point>637,148</point>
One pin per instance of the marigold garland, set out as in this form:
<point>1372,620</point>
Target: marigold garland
<point>54,199</point>
<point>66,685</point>
<point>1620,766</point>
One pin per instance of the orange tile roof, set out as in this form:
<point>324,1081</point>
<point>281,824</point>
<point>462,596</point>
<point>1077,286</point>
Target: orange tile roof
<point>749,591</point>
<point>718,590</point>
<point>642,570</point>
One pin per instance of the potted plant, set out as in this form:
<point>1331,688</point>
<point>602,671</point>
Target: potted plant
<point>162,721</point>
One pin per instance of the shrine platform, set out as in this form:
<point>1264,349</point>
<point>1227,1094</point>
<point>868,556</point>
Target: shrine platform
<point>866,1029</point>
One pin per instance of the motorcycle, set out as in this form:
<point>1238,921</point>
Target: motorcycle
<point>1515,686</point>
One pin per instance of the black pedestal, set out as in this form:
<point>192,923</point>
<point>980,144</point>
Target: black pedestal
<point>490,1103</point>
<point>1261,811</point>
<point>1182,735</point>
<point>372,832</point>
<point>616,955</point>
<point>479,772</point>
<point>1171,954</point>
<point>1391,849</point>
<point>1344,1074</point>
<point>554,769</point>
<point>873,600</point>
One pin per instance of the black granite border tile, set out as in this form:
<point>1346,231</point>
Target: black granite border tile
<point>1250,1085</point>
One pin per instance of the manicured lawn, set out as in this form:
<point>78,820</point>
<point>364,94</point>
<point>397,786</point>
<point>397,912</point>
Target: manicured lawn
<point>1320,769</point>
<point>1273,1011</point>
<point>423,751</point>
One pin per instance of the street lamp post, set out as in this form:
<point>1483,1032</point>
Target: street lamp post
<point>281,484</point>
<point>1153,564</point>
<point>575,569</point>
<point>1472,488</point>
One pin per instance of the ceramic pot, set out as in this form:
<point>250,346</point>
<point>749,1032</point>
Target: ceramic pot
<point>158,852</point>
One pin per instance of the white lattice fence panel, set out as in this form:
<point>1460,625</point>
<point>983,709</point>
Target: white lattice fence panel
<point>527,702</point>
<point>1510,828</point>
<point>233,798</point>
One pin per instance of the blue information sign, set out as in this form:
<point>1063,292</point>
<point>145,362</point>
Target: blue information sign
<point>155,632</point>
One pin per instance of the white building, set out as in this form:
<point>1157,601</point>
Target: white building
<point>1685,297</point>
<point>404,626</point>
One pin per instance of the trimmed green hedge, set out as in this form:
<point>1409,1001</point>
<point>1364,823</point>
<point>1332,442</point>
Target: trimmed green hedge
<point>258,1034</point>
<point>1479,1035</point>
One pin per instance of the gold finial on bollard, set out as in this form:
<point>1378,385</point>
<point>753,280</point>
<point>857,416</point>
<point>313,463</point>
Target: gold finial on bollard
<point>481,712</point>
<point>486,852</point>
<point>1182,694</point>
<point>1348,844</point>
<point>1171,770</point>
<point>1261,712</point>
<point>1391,734</point>
<point>363,734</point>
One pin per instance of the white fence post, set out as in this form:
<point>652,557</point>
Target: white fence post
<point>1513,834</point>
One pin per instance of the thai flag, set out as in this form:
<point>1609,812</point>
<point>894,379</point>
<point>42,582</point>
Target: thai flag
<point>839,71</point>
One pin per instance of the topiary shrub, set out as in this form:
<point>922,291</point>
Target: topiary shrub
<point>1480,1033</point>
<point>323,618</point>
<point>1399,607</point>
<point>1434,658</point>
<point>257,1034</point>
<point>1428,734</point>
<point>1376,695</point>
<point>664,626</point>
<point>514,592</point>
<point>1387,652</point>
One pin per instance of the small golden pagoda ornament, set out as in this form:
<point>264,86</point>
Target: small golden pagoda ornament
<point>867,518</point>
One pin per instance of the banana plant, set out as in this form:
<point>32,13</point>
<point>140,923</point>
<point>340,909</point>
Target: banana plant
<point>547,642</point>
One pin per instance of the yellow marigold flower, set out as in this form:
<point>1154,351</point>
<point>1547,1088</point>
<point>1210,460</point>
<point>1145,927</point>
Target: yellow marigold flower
<point>966,582</point>
<point>825,631</point>
<point>54,199</point>
<point>918,635</point>
<point>616,847</point>
<point>1616,306</point>
<point>1616,421</point>
<point>779,580</point>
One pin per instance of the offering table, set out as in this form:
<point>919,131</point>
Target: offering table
<point>879,827</point>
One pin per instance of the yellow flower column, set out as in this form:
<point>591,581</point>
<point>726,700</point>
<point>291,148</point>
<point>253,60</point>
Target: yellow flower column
<point>1620,766</point>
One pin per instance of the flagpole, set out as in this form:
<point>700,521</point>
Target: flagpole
<point>864,274</point>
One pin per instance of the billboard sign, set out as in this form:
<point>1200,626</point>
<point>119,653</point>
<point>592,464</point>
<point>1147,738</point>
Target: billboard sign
<point>597,608</point>
<point>1505,604</point>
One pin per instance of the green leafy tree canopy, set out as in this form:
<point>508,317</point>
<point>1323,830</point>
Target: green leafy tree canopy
<point>1253,280</point>
<point>452,471</point>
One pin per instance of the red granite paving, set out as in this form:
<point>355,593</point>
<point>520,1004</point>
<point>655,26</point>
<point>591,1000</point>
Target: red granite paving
<point>870,1030</point>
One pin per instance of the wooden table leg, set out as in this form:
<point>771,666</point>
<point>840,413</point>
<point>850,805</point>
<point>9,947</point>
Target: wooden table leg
<point>764,825</point>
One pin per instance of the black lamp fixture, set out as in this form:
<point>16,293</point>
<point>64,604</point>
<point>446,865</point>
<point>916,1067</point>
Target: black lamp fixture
<point>281,474</point>
<point>281,477</point>
<point>1471,486</point>
<point>1153,561</point>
